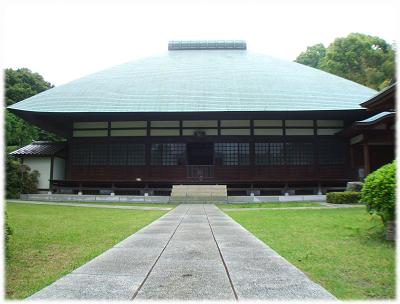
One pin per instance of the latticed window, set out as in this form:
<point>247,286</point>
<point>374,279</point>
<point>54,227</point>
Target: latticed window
<point>232,154</point>
<point>99,154</point>
<point>167,154</point>
<point>331,153</point>
<point>156,154</point>
<point>81,155</point>
<point>118,154</point>
<point>127,154</point>
<point>299,153</point>
<point>135,155</point>
<point>269,154</point>
<point>102,154</point>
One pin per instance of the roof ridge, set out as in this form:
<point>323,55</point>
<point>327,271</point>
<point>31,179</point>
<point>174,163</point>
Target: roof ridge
<point>174,45</point>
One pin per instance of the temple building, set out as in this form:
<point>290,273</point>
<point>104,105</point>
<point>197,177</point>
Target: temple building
<point>209,112</point>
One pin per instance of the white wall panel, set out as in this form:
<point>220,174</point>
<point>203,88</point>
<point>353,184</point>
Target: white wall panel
<point>42,165</point>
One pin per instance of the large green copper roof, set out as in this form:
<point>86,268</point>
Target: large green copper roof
<point>205,80</point>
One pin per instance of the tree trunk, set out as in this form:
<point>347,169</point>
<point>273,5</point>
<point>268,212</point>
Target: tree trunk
<point>391,230</point>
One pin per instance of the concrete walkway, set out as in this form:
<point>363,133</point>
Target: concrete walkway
<point>194,252</point>
<point>116,206</point>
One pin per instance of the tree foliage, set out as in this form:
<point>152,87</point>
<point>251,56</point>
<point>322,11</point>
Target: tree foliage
<point>19,85</point>
<point>312,56</point>
<point>22,83</point>
<point>365,59</point>
<point>378,192</point>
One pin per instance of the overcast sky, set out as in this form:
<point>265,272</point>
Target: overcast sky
<point>65,40</point>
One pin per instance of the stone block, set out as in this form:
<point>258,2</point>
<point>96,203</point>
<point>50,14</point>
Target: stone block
<point>107,198</point>
<point>354,186</point>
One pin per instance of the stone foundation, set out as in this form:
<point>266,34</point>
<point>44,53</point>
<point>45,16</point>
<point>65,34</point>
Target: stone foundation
<point>163,199</point>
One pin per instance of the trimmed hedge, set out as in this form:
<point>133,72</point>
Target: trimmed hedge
<point>347,197</point>
<point>379,192</point>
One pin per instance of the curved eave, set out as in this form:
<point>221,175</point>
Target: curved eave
<point>289,108</point>
<point>376,119</point>
<point>201,113</point>
<point>368,123</point>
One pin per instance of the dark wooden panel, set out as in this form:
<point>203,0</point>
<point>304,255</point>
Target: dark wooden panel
<point>236,173</point>
<point>221,173</point>
<point>275,173</point>
<point>166,173</point>
<point>381,155</point>
<point>332,172</point>
<point>107,173</point>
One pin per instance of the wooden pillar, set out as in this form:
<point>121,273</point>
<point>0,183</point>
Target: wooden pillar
<point>352,170</point>
<point>352,157</point>
<point>367,164</point>
<point>252,153</point>
<point>51,167</point>
<point>147,152</point>
<point>51,175</point>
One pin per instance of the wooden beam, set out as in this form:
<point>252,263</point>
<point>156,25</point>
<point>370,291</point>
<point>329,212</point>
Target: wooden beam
<point>367,163</point>
<point>51,173</point>
<point>52,168</point>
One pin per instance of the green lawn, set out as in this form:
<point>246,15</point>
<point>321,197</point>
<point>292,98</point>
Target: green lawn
<point>342,249</point>
<point>51,241</point>
<point>271,205</point>
<point>166,205</point>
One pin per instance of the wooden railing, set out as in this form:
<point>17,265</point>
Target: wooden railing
<point>200,171</point>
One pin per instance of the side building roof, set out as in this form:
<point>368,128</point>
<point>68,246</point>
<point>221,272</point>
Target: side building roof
<point>383,100</point>
<point>40,148</point>
<point>375,118</point>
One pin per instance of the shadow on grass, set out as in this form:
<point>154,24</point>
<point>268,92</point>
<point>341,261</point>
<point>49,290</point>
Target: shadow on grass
<point>374,234</point>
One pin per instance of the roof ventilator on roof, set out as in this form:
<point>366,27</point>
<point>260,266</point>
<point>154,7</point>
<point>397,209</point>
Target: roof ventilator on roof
<point>206,45</point>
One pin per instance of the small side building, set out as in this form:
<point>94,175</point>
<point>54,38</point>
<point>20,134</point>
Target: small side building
<point>372,140</point>
<point>46,157</point>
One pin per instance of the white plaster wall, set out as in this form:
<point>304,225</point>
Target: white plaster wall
<point>59,168</point>
<point>41,164</point>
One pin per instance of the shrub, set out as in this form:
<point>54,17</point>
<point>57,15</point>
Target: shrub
<point>12,179</point>
<point>378,192</point>
<point>347,197</point>
<point>30,181</point>
<point>17,183</point>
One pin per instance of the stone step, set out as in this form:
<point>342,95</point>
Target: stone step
<point>198,198</point>
<point>210,191</point>
<point>195,193</point>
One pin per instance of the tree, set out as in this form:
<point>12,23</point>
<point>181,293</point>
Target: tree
<point>365,59</point>
<point>312,56</point>
<point>22,83</point>
<point>19,85</point>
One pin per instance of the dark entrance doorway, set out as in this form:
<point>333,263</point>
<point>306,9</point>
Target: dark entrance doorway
<point>200,153</point>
